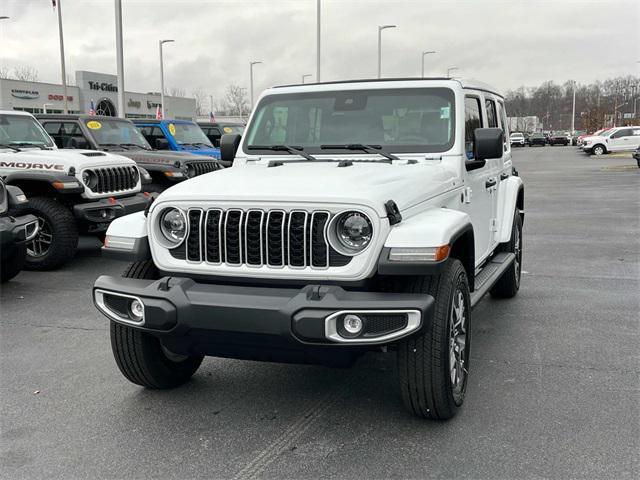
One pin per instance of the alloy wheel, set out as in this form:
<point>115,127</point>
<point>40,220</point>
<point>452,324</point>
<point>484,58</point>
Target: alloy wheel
<point>458,345</point>
<point>41,243</point>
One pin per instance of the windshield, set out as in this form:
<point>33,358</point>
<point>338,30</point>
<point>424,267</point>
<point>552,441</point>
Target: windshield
<point>410,120</point>
<point>189,134</point>
<point>517,135</point>
<point>23,130</point>
<point>116,132</point>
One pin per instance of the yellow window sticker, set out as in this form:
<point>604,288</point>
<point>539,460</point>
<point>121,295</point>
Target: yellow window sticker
<point>93,125</point>
<point>172,129</point>
<point>227,130</point>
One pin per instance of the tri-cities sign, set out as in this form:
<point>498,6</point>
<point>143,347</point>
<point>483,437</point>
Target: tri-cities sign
<point>103,86</point>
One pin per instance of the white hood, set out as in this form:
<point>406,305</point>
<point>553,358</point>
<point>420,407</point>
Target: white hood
<point>371,183</point>
<point>61,160</point>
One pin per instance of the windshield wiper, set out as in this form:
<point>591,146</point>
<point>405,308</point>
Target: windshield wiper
<point>364,148</point>
<point>112,145</point>
<point>27,144</point>
<point>11,147</point>
<point>292,149</point>
<point>134,145</point>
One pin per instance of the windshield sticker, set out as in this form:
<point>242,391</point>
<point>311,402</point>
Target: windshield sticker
<point>227,130</point>
<point>444,112</point>
<point>93,125</point>
<point>172,129</point>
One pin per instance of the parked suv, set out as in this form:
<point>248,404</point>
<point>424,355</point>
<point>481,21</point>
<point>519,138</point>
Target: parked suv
<point>618,139</point>
<point>70,192</point>
<point>559,138</point>
<point>119,135</point>
<point>215,130</point>
<point>357,216</point>
<point>537,138</point>
<point>15,231</point>
<point>517,139</point>
<point>177,135</point>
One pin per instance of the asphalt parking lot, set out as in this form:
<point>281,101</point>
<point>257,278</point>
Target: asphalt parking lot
<point>553,389</point>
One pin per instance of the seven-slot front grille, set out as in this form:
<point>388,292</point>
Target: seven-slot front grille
<point>200,168</point>
<point>256,238</point>
<point>115,179</point>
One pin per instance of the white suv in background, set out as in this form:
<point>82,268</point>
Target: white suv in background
<point>620,139</point>
<point>517,139</point>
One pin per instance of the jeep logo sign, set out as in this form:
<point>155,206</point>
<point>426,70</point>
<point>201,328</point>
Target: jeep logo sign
<point>104,86</point>
<point>27,94</point>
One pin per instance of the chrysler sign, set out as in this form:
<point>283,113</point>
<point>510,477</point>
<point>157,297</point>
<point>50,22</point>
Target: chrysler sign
<point>28,94</point>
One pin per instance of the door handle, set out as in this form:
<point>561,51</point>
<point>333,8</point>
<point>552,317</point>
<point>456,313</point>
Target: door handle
<point>490,183</point>
<point>504,176</point>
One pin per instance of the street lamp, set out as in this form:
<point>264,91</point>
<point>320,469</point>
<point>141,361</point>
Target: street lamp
<point>119,58</point>
<point>380,29</point>
<point>44,107</point>
<point>251,64</point>
<point>305,76</point>
<point>451,69</point>
<point>160,43</point>
<point>423,54</point>
<point>62,65</point>
<point>318,41</point>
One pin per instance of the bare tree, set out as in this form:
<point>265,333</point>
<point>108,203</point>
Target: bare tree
<point>202,101</point>
<point>4,72</point>
<point>26,73</point>
<point>235,100</point>
<point>177,92</point>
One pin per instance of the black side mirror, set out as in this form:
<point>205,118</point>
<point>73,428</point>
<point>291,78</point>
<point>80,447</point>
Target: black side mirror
<point>488,143</point>
<point>229,144</point>
<point>216,142</point>
<point>80,143</point>
<point>162,144</point>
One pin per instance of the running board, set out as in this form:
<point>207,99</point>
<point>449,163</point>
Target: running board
<point>490,274</point>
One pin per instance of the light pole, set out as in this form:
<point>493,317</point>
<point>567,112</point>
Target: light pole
<point>251,64</point>
<point>62,65</point>
<point>305,76</point>
<point>119,58</point>
<point>380,29</point>
<point>423,54</point>
<point>451,69</point>
<point>160,43</point>
<point>573,110</point>
<point>318,42</point>
<point>44,107</point>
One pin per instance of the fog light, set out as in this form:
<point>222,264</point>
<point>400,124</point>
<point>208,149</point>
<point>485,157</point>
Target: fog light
<point>352,324</point>
<point>136,309</point>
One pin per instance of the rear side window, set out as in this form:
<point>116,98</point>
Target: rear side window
<point>65,134</point>
<point>472,120</point>
<point>492,116</point>
<point>502,117</point>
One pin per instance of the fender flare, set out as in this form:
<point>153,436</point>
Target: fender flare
<point>510,198</point>
<point>24,178</point>
<point>127,238</point>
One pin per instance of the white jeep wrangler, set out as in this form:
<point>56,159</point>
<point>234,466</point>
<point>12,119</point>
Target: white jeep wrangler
<point>357,216</point>
<point>69,191</point>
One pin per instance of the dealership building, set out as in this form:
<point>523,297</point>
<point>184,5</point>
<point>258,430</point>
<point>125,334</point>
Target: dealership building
<point>99,88</point>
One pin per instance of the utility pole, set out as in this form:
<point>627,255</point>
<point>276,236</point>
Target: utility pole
<point>119,59</point>
<point>62,65</point>
<point>423,54</point>
<point>573,110</point>
<point>162,110</point>
<point>318,42</point>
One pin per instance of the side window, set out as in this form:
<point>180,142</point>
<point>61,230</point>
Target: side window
<point>502,118</point>
<point>472,120</point>
<point>492,117</point>
<point>54,131</point>
<point>71,136</point>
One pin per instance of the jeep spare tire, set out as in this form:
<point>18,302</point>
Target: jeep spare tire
<point>57,238</point>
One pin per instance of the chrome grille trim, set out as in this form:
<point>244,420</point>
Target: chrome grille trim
<point>114,179</point>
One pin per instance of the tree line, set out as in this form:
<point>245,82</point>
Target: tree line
<point>597,103</point>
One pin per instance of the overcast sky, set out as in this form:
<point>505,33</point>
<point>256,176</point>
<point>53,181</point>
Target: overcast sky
<point>505,43</point>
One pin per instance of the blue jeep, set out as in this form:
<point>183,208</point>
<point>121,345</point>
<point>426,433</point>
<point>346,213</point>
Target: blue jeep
<point>177,135</point>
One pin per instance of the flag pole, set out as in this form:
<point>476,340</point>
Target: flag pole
<point>62,65</point>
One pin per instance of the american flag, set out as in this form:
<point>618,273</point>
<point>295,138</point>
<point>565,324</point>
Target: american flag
<point>158,113</point>
<point>53,2</point>
<point>92,109</point>
<point>212,117</point>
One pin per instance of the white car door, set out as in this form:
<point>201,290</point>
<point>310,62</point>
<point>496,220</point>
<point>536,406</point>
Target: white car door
<point>617,139</point>
<point>478,197</point>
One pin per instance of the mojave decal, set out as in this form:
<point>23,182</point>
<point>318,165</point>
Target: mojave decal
<point>32,166</point>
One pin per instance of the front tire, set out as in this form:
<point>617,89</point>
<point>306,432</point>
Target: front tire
<point>434,365</point>
<point>598,150</point>
<point>140,356</point>
<point>509,283</point>
<point>57,238</point>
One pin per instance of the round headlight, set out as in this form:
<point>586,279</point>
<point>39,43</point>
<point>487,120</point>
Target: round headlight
<point>353,231</point>
<point>89,178</point>
<point>173,225</point>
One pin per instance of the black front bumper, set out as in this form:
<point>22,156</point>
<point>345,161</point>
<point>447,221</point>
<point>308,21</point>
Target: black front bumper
<point>16,229</point>
<point>113,207</point>
<point>281,324</point>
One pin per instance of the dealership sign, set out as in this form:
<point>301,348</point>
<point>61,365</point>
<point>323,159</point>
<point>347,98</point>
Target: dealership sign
<point>28,94</point>
<point>103,86</point>
<point>134,103</point>
<point>59,98</point>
